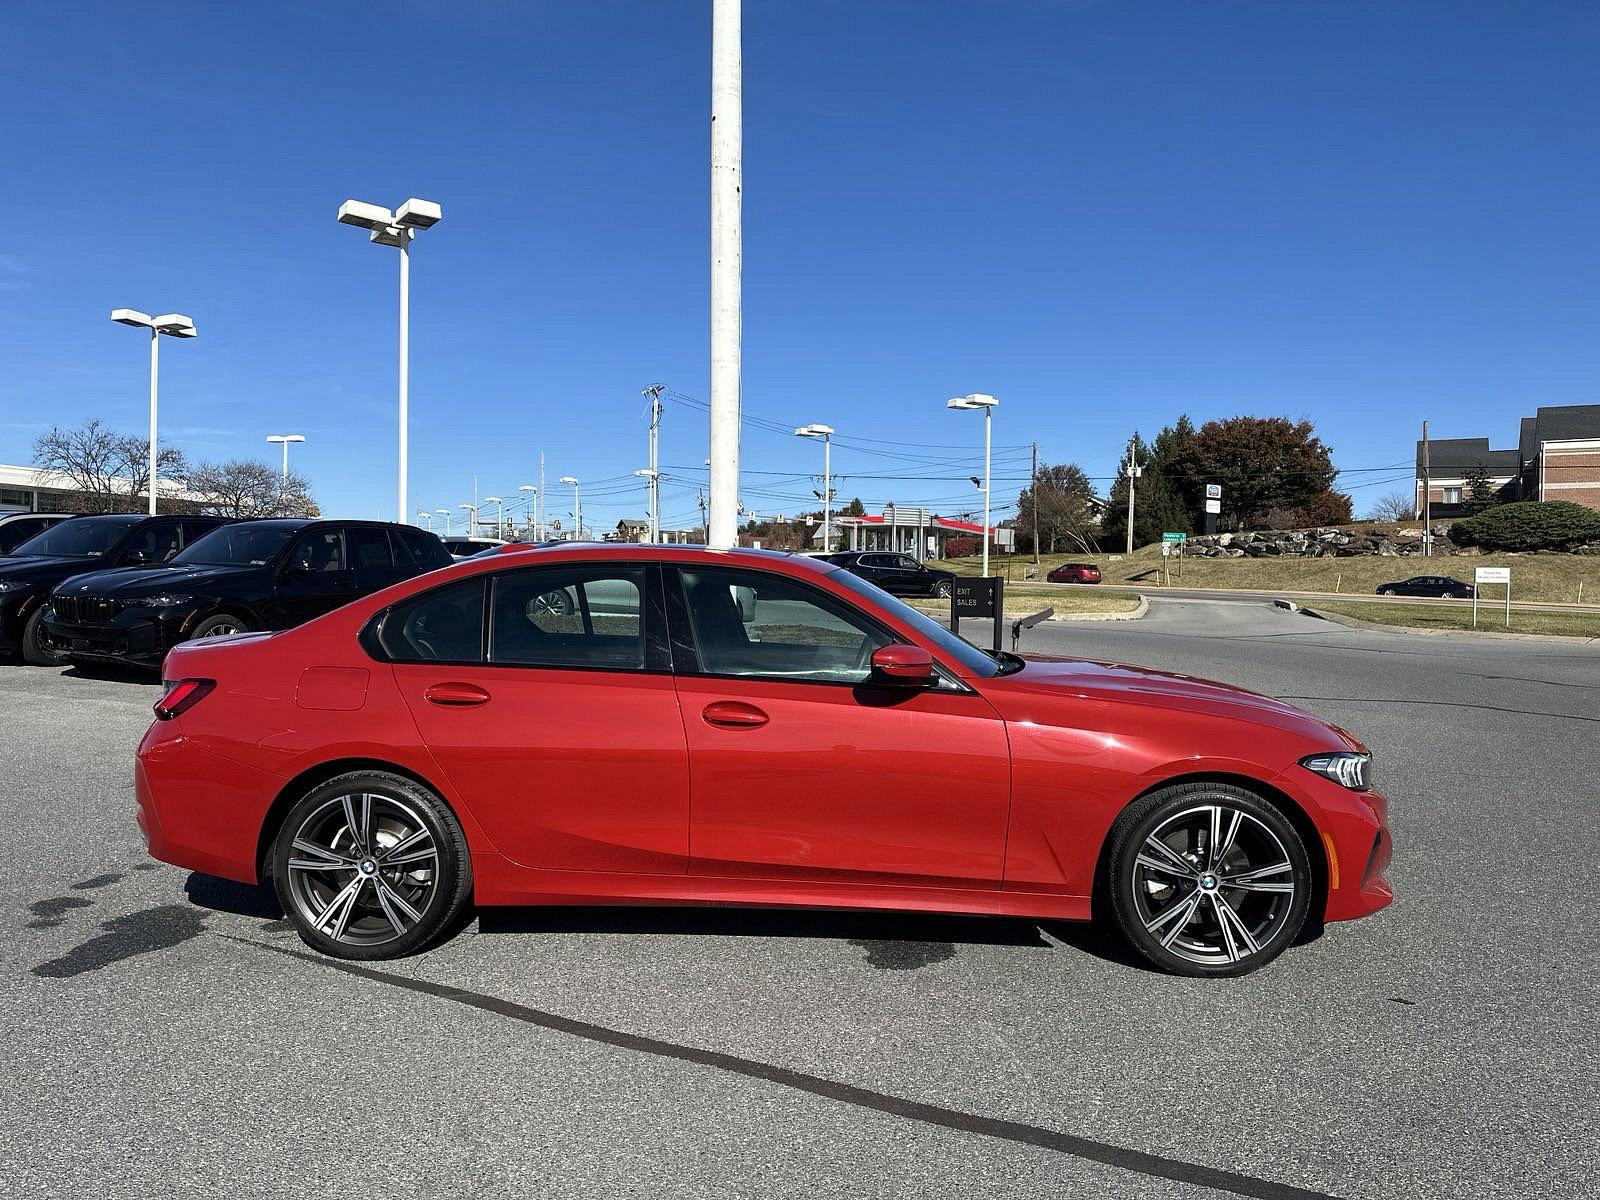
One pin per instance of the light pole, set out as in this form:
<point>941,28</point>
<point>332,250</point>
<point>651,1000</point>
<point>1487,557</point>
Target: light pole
<point>173,325</point>
<point>397,229</point>
<point>825,432</point>
<point>472,521</point>
<point>533,510</point>
<point>987,403</point>
<point>285,438</point>
<point>445,513</point>
<point>499,514</point>
<point>577,506</point>
<point>428,517</point>
<point>1134,471</point>
<point>653,478</point>
<point>727,261</point>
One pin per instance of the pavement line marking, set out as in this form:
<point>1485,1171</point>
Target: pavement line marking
<point>1138,1161</point>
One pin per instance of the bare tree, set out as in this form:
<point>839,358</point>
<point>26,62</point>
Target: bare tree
<point>1396,506</point>
<point>250,490</point>
<point>110,470</point>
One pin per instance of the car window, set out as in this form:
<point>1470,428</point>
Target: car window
<point>14,533</point>
<point>442,625</point>
<point>368,547</point>
<point>955,648</point>
<point>320,550</point>
<point>749,623</point>
<point>579,616</point>
<point>155,543</point>
<point>252,544</point>
<point>82,537</point>
<point>193,531</point>
<point>909,564</point>
<point>425,547</point>
<point>874,560</point>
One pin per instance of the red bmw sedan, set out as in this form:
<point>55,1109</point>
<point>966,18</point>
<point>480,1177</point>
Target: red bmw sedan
<point>669,725</point>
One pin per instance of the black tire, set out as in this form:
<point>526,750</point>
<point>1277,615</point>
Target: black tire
<point>941,590</point>
<point>1385,591</point>
<point>366,929</point>
<point>1147,904</point>
<point>36,650</point>
<point>217,624</point>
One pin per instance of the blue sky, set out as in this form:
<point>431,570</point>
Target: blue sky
<point>1104,213</point>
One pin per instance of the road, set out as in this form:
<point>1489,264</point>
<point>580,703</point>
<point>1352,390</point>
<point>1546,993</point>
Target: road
<point>163,1034</point>
<point>1178,591</point>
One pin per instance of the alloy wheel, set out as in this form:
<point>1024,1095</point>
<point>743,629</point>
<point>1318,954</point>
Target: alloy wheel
<point>1214,885</point>
<point>363,868</point>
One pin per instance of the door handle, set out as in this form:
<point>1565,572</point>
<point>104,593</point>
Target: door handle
<point>455,695</point>
<point>733,714</point>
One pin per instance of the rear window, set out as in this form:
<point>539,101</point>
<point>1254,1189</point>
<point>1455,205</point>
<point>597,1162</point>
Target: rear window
<point>426,549</point>
<point>444,625</point>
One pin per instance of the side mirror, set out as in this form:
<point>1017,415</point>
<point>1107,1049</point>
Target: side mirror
<point>902,666</point>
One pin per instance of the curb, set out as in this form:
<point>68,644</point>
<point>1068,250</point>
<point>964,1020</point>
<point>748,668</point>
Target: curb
<point>1357,623</point>
<point>1139,610</point>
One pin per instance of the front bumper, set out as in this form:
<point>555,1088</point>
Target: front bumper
<point>1353,828</point>
<point>138,635</point>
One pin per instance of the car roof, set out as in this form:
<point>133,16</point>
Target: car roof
<point>519,554</point>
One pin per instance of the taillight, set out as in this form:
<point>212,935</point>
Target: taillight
<point>182,695</point>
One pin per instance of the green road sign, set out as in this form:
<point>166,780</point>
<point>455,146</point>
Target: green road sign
<point>1174,537</point>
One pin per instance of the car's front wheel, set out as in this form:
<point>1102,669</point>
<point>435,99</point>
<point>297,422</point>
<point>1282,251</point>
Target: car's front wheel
<point>1208,879</point>
<point>219,625</point>
<point>371,865</point>
<point>1385,591</point>
<point>37,649</point>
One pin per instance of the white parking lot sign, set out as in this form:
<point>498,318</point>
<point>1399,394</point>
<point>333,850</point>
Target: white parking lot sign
<point>1485,575</point>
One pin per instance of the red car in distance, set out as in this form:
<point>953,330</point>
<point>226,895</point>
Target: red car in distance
<point>1074,573</point>
<point>668,725</point>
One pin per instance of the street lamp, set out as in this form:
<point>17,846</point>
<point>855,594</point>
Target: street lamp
<point>472,521</point>
<point>499,514</point>
<point>428,517</point>
<point>445,513</point>
<point>577,505</point>
<point>285,438</point>
<point>533,518</point>
<point>397,229</point>
<point>825,432</point>
<point>173,325</point>
<point>987,403</point>
<point>652,477</point>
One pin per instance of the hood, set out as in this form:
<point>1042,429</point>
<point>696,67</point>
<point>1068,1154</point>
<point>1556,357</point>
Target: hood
<point>160,577</point>
<point>43,570</point>
<point>1122,683</point>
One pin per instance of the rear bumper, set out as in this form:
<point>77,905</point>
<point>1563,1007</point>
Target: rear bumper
<point>196,810</point>
<point>139,636</point>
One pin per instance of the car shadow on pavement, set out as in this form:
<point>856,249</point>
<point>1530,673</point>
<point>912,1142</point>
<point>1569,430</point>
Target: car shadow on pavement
<point>240,899</point>
<point>110,672</point>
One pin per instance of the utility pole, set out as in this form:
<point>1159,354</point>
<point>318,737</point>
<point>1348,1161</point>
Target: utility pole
<point>1134,471</point>
<point>727,149</point>
<point>700,499</point>
<point>1033,501</point>
<point>654,392</point>
<point>1427,498</point>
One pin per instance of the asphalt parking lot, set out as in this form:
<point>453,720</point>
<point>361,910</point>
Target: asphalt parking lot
<point>164,1035</point>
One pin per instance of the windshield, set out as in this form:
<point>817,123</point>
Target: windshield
<point>239,546</point>
<point>963,652</point>
<point>83,538</point>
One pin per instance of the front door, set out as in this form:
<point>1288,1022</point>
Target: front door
<point>802,769</point>
<point>315,579</point>
<point>558,724</point>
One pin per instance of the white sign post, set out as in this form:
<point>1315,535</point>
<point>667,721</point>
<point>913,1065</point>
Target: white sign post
<point>1491,575</point>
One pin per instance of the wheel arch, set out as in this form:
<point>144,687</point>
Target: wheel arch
<point>315,776</point>
<point>1291,809</point>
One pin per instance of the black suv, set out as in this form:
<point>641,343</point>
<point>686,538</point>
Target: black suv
<point>897,574</point>
<point>249,576</point>
<point>18,527</point>
<point>76,545</point>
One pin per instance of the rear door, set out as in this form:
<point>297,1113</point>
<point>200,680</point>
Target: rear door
<point>315,578</point>
<point>546,695</point>
<point>372,557</point>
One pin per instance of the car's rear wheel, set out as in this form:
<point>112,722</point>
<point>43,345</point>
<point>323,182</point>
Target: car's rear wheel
<point>37,649</point>
<point>1208,879</point>
<point>371,865</point>
<point>941,590</point>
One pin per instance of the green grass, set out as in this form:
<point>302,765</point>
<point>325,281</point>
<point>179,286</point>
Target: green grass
<point>1554,578</point>
<point>1491,619</point>
<point>1022,599</point>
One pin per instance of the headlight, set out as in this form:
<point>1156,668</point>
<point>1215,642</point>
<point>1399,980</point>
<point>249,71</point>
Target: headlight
<point>1346,768</point>
<point>164,600</point>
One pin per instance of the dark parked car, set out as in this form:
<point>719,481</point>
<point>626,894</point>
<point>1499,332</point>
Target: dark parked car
<point>1075,573</point>
<point>72,547</point>
<point>1428,585</point>
<point>253,575</point>
<point>897,574</point>
<point>18,527</point>
<point>466,547</point>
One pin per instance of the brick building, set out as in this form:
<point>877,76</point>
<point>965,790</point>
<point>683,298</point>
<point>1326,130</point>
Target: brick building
<point>1557,458</point>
